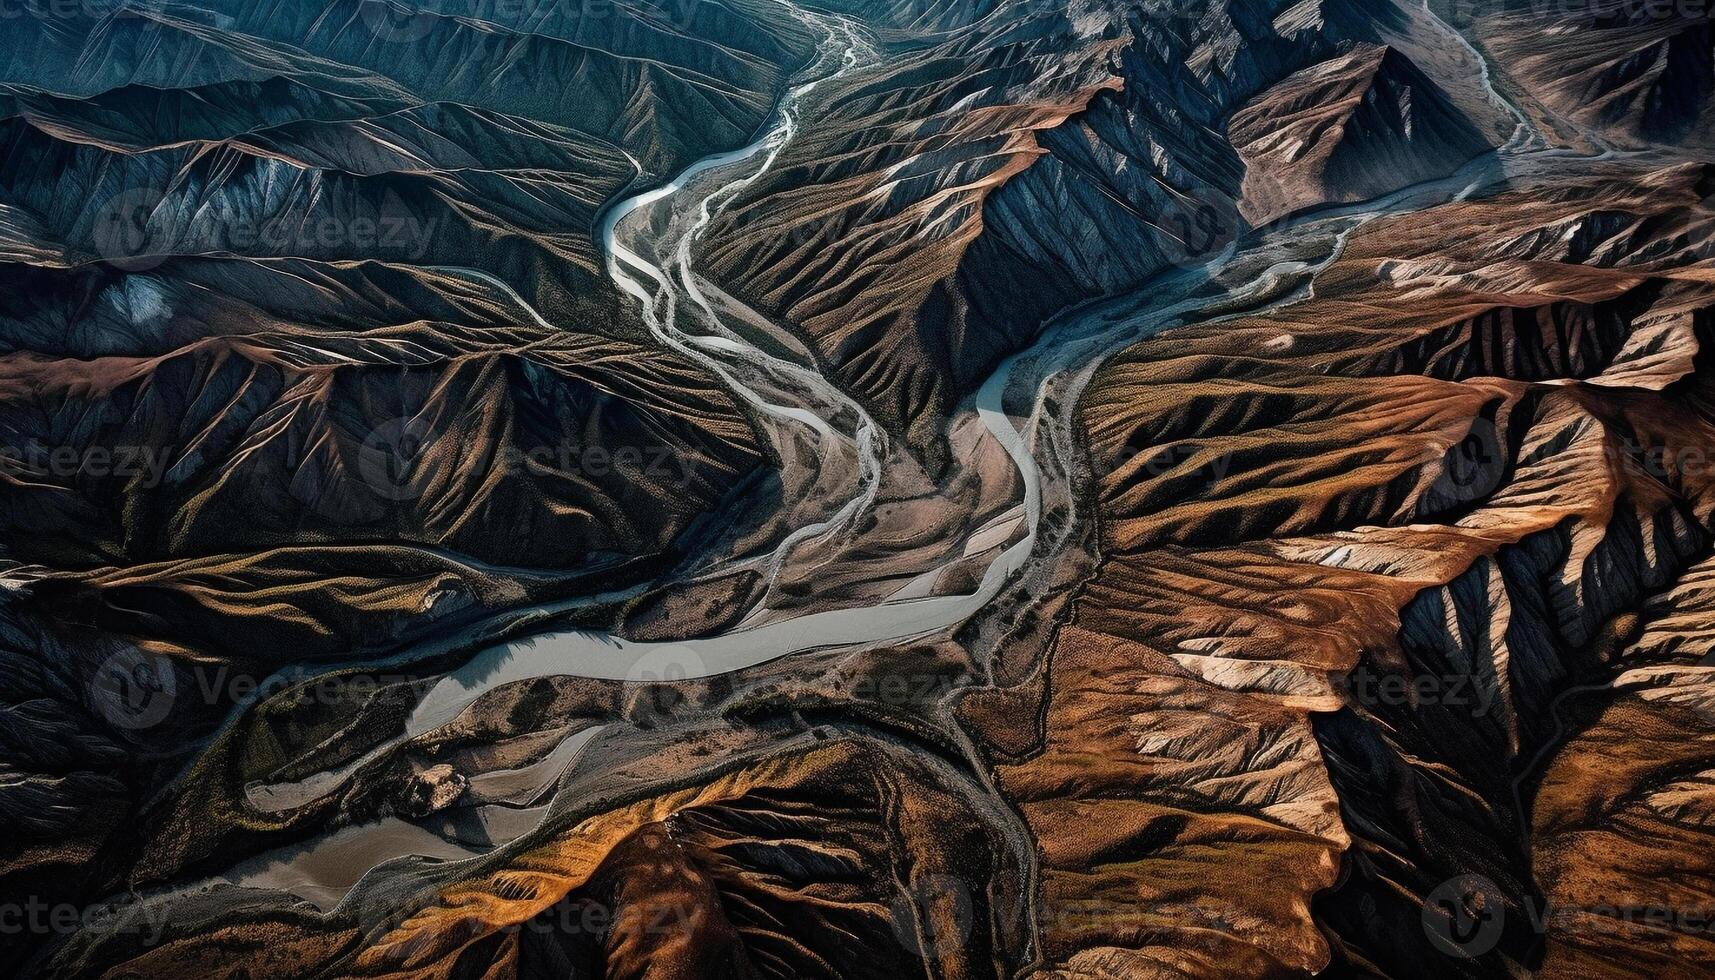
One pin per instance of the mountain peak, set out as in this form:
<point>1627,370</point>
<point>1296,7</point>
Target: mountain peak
<point>1354,126</point>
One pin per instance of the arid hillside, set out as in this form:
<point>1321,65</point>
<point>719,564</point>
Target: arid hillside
<point>857,489</point>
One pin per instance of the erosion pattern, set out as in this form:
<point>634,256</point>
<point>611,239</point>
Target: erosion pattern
<point>857,488</point>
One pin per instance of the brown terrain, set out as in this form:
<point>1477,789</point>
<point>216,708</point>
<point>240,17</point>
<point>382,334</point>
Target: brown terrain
<point>1082,491</point>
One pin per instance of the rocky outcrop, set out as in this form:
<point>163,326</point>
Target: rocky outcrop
<point>307,353</point>
<point>1610,72</point>
<point>1473,528</point>
<point>1349,129</point>
<point>1014,183</point>
<point>409,611</point>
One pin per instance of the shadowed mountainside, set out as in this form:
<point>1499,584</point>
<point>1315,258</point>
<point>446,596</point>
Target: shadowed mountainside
<point>1312,401</point>
<point>1040,157</point>
<point>307,351</point>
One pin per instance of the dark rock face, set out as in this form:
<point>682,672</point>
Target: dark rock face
<point>1351,128</point>
<point>306,352</point>
<point>1112,147</point>
<point>1624,73</point>
<point>1209,488</point>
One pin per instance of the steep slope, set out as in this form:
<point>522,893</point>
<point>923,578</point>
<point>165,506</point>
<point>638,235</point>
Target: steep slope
<point>1626,73</point>
<point>307,354</point>
<point>968,204</point>
<point>1137,489</point>
<point>1349,129</point>
<point>1408,534</point>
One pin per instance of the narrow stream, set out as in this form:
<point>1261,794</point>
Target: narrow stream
<point>325,869</point>
<point>796,402</point>
<point>814,404</point>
